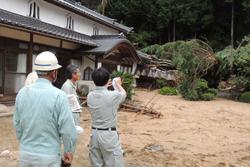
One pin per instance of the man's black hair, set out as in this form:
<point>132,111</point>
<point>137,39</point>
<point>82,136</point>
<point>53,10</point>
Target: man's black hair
<point>100,76</point>
<point>70,69</point>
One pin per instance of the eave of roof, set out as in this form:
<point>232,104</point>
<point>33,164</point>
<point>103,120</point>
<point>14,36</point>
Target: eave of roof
<point>80,9</point>
<point>107,43</point>
<point>36,25</point>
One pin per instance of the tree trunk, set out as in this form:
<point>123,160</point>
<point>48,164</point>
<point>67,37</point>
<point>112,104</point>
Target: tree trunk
<point>169,33</point>
<point>104,4</point>
<point>232,25</point>
<point>174,21</point>
<point>174,29</point>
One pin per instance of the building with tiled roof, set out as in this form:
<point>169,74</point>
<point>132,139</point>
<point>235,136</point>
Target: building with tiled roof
<point>75,33</point>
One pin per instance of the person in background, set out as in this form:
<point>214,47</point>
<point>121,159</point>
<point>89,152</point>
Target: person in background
<point>105,148</point>
<point>70,87</point>
<point>31,78</point>
<point>43,120</point>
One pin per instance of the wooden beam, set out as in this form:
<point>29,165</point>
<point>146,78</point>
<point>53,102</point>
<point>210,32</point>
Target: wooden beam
<point>91,59</point>
<point>109,61</point>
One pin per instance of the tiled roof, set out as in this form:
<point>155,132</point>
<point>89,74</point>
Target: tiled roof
<point>38,26</point>
<point>92,14</point>
<point>107,43</point>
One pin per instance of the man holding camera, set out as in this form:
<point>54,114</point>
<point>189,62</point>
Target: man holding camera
<point>105,147</point>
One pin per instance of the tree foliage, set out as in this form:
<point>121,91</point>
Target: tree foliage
<point>161,21</point>
<point>234,66</point>
<point>192,59</point>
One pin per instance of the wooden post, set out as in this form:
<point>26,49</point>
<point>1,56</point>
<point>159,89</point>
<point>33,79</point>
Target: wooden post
<point>99,65</point>
<point>96,62</point>
<point>30,55</point>
<point>118,67</point>
<point>232,25</point>
<point>134,68</point>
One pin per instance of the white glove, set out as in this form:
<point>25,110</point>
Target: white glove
<point>114,83</point>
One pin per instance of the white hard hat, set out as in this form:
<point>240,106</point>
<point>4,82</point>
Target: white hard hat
<point>46,61</point>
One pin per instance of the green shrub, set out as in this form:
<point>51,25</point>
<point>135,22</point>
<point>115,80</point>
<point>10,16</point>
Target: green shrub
<point>245,97</point>
<point>213,91</point>
<point>191,94</point>
<point>168,91</point>
<point>187,90</point>
<point>198,91</point>
<point>208,96</point>
<point>201,86</point>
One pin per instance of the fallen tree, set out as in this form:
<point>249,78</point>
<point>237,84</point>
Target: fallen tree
<point>193,59</point>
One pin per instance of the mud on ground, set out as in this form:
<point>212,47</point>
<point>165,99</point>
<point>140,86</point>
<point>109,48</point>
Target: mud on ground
<point>191,134</point>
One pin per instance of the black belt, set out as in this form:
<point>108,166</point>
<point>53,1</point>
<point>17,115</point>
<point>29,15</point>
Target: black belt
<point>105,129</point>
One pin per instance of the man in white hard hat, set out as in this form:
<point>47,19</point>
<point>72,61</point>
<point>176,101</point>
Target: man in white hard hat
<point>43,118</point>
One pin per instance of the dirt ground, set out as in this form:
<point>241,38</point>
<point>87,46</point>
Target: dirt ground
<point>190,134</point>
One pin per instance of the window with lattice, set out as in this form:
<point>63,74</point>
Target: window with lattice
<point>70,22</point>
<point>95,30</point>
<point>34,9</point>
<point>88,74</point>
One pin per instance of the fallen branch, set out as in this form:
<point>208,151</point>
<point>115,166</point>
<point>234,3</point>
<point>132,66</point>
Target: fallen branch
<point>130,107</point>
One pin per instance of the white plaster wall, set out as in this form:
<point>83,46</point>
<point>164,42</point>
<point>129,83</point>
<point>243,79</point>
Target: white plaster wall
<point>15,6</point>
<point>52,14</point>
<point>57,16</point>
<point>86,62</point>
<point>85,26</point>
<point>103,30</point>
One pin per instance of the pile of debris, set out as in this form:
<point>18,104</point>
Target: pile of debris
<point>133,106</point>
<point>154,61</point>
<point>153,67</point>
